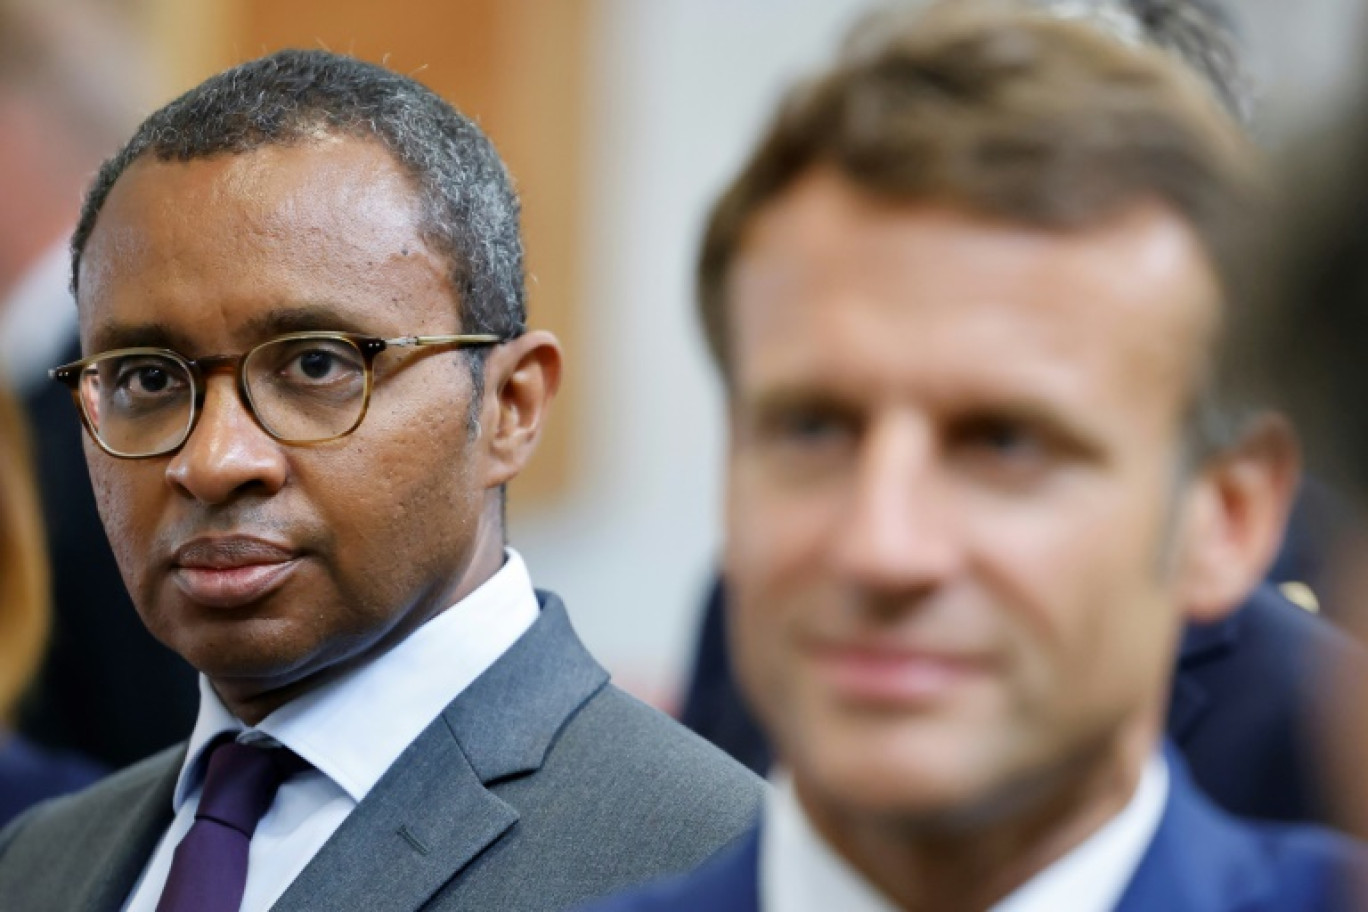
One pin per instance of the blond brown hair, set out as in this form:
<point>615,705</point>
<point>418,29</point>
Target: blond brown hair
<point>1009,112</point>
<point>23,564</point>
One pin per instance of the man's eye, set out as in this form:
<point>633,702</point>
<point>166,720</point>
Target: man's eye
<point>806,440</point>
<point>809,426</point>
<point>1002,446</point>
<point>1000,437</point>
<point>319,364</point>
<point>147,379</point>
<point>316,365</point>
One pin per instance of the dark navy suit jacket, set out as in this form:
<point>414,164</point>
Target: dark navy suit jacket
<point>1200,860</point>
<point>29,774</point>
<point>1246,693</point>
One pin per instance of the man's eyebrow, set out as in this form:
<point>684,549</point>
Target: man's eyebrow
<point>778,399</point>
<point>111,336</point>
<point>301,318</point>
<point>316,317</point>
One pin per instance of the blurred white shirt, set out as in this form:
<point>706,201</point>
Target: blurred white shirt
<point>351,730</point>
<point>799,872</point>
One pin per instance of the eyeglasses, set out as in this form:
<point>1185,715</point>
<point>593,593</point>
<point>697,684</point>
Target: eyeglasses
<point>301,388</point>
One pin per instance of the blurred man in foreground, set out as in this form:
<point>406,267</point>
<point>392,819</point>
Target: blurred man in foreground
<point>1250,693</point>
<point>968,298</point>
<point>1310,349</point>
<point>307,381</point>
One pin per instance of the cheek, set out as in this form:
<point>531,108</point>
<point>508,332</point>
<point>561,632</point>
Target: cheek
<point>1090,607</point>
<point>1095,541</point>
<point>402,502</point>
<point>776,531</point>
<point>130,497</point>
<point>777,535</point>
<point>764,666</point>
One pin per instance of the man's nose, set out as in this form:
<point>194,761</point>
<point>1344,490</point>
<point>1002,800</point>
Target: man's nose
<point>900,530</point>
<point>227,452</point>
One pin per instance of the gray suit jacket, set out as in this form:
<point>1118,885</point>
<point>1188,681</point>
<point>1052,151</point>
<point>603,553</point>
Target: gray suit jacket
<point>539,787</point>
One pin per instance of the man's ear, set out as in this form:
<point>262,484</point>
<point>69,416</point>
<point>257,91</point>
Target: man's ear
<point>1236,515</point>
<point>521,378</point>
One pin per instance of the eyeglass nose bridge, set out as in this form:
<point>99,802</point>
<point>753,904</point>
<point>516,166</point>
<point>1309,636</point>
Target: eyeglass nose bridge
<point>201,369</point>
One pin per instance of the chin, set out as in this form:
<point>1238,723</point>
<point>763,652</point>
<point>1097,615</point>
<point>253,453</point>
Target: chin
<point>246,650</point>
<point>907,773</point>
<point>884,786</point>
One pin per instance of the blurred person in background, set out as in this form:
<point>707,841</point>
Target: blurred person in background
<point>969,300</point>
<point>69,93</point>
<point>308,380</point>
<point>1249,688</point>
<point>1309,350</point>
<point>28,773</point>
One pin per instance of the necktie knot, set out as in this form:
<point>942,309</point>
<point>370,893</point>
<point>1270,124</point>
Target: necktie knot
<point>241,782</point>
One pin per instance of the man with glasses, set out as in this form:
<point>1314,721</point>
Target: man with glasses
<point>301,387</point>
<point>307,381</point>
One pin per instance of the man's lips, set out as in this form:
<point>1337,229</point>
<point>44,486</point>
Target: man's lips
<point>895,675</point>
<point>231,571</point>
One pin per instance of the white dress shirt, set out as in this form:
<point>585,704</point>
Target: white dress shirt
<point>351,730</point>
<point>799,872</point>
<point>37,320</point>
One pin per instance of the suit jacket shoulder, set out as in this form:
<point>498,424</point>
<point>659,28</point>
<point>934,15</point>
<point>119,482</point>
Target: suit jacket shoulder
<point>85,851</point>
<point>1200,860</point>
<point>1204,860</point>
<point>540,787</point>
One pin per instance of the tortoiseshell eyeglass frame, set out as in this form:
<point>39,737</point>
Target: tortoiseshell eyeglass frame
<point>199,368</point>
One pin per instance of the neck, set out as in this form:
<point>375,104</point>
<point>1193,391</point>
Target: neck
<point>960,866</point>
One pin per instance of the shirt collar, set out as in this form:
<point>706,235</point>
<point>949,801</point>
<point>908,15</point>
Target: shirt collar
<point>800,872</point>
<point>1092,877</point>
<point>354,728</point>
<point>37,320</point>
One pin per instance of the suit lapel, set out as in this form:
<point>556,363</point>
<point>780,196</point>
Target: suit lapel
<point>1187,705</point>
<point>424,821</point>
<point>114,868</point>
<point>1199,860</point>
<point>433,812</point>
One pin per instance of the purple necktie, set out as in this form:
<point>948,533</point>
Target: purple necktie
<point>209,868</point>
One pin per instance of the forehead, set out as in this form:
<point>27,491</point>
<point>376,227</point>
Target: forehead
<point>834,287</point>
<point>214,249</point>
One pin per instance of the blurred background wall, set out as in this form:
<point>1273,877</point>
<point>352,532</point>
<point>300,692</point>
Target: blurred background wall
<point>620,119</point>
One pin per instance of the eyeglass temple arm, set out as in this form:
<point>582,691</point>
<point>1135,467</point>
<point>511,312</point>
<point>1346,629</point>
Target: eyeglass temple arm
<point>476,339</point>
